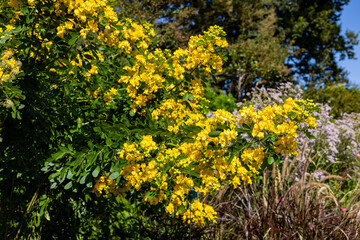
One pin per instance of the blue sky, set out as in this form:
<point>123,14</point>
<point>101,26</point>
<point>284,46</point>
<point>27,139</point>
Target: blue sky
<point>350,20</point>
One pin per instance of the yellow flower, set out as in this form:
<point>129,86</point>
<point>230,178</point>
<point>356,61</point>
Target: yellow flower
<point>60,31</point>
<point>147,143</point>
<point>169,208</point>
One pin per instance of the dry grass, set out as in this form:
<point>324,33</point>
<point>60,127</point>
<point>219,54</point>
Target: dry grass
<point>289,202</point>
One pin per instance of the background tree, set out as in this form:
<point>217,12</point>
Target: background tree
<point>341,98</point>
<point>313,29</point>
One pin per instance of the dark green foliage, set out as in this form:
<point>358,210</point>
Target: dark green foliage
<point>313,29</point>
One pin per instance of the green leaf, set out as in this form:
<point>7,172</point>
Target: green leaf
<point>97,130</point>
<point>41,212</point>
<point>73,39</point>
<point>62,176</point>
<point>188,96</point>
<point>83,179</point>
<point>243,130</point>
<point>45,169</point>
<point>79,157</point>
<point>108,141</point>
<point>54,175</point>
<point>47,215</point>
<point>91,145</point>
<point>266,138</point>
<point>79,122</point>
<point>277,160</point>
<point>150,194</point>
<point>68,185</point>
<point>63,149</point>
<point>4,39</point>
<point>230,158</point>
<point>58,155</point>
<point>214,133</point>
<point>53,185</point>
<point>37,220</point>
<point>91,158</point>
<point>309,135</point>
<point>292,115</point>
<point>191,97</point>
<point>132,113</point>
<point>95,173</point>
<point>270,159</point>
<point>114,175</point>
<point>247,127</point>
<point>192,172</point>
<point>69,174</point>
<point>18,115</point>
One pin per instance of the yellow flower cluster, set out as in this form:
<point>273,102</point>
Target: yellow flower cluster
<point>309,106</point>
<point>105,186</point>
<point>138,171</point>
<point>279,120</point>
<point>88,14</point>
<point>94,17</point>
<point>108,95</point>
<point>198,211</point>
<point>174,110</point>
<point>7,31</point>
<point>253,158</point>
<point>145,78</point>
<point>9,67</point>
<point>173,167</point>
<point>201,52</point>
<point>85,11</point>
<point>148,144</point>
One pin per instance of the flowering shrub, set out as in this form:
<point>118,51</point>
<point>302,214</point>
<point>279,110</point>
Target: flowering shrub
<point>334,140</point>
<point>260,97</point>
<point>123,118</point>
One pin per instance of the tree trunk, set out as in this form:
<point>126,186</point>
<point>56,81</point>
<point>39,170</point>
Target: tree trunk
<point>237,86</point>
